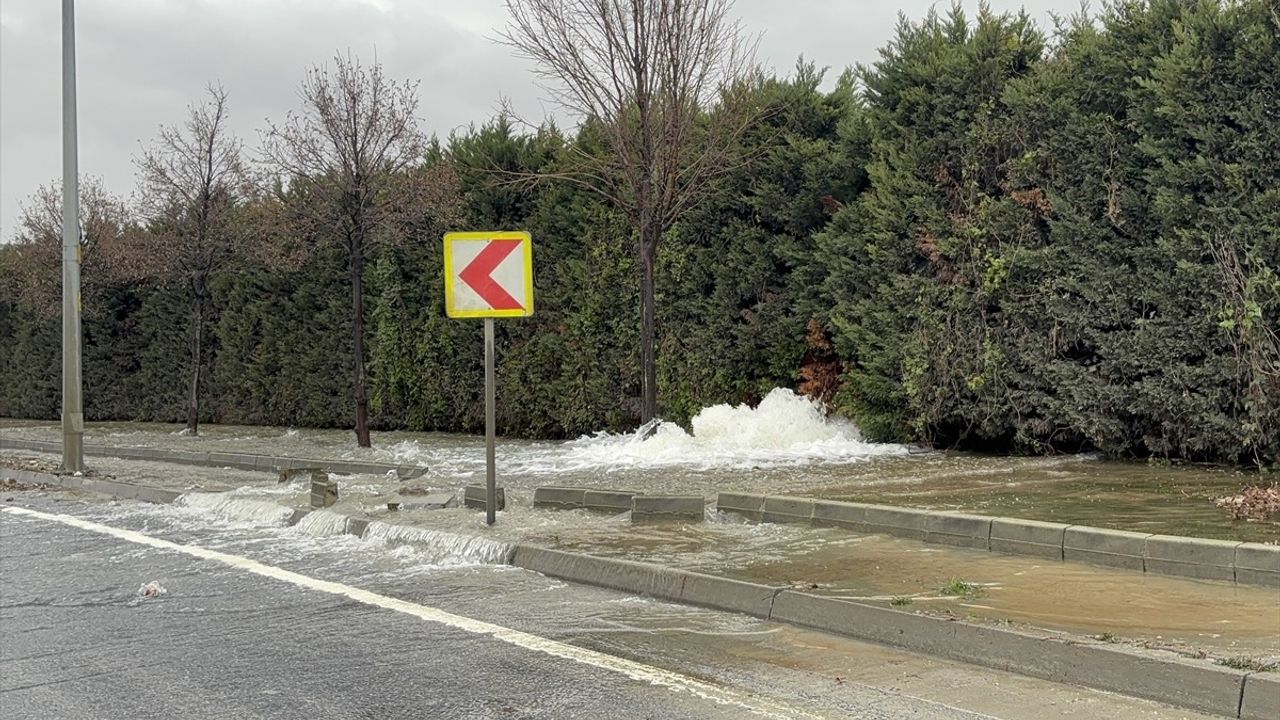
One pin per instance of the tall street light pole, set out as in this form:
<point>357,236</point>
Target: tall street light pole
<point>72,410</point>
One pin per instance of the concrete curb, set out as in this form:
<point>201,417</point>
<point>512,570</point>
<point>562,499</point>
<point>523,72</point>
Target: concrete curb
<point>1244,563</point>
<point>1190,684</point>
<point>1196,685</point>
<point>686,508</point>
<point>239,461</point>
<point>1261,700</point>
<point>127,491</point>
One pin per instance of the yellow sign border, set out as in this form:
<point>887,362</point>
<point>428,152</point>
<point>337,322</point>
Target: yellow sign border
<point>526,247</point>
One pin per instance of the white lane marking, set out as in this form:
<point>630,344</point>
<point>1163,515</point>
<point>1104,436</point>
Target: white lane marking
<point>634,670</point>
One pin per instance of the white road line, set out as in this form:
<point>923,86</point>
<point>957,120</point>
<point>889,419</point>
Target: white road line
<point>634,670</point>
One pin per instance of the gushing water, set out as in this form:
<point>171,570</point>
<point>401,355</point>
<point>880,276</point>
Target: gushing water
<point>437,547</point>
<point>256,512</point>
<point>323,523</point>
<point>785,429</point>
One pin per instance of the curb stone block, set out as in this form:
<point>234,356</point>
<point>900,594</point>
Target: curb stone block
<point>745,504</point>
<point>785,509</point>
<point>561,498</point>
<point>626,575</point>
<point>1113,548</point>
<point>410,472</point>
<point>476,497</point>
<point>217,458</point>
<point>1261,697</point>
<point>897,521</point>
<point>960,529</point>
<point>1258,564</point>
<point>728,594</point>
<point>849,515</point>
<point>667,507</point>
<point>615,501</point>
<point>131,492</point>
<point>357,526</point>
<point>1027,537</point>
<point>1191,557</point>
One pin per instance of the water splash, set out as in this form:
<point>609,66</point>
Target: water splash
<point>437,547</point>
<point>784,429</point>
<point>256,512</point>
<point>323,523</point>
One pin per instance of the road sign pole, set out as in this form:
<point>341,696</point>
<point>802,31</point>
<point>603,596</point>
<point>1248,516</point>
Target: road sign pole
<point>488,275</point>
<point>490,476</point>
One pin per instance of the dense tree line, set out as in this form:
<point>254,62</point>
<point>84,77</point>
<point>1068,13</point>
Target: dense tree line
<point>994,237</point>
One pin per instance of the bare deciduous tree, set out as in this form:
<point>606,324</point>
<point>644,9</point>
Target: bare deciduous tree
<point>37,243</point>
<point>645,71</point>
<point>355,132</point>
<point>191,179</point>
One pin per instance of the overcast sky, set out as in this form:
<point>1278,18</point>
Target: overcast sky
<point>141,62</point>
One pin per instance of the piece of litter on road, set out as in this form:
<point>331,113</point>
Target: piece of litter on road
<point>151,590</point>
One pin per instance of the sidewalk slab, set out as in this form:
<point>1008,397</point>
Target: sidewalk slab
<point>1113,548</point>
<point>1191,557</point>
<point>1258,564</point>
<point>1027,537</point>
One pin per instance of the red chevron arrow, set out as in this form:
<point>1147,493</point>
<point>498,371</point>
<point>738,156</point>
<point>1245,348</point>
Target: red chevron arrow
<point>477,274</point>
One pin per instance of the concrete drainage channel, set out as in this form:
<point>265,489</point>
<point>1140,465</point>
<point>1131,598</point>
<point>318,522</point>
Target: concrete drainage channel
<point>1194,684</point>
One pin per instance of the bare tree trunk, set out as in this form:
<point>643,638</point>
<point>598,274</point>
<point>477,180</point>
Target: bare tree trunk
<point>648,350</point>
<point>357,325</point>
<point>197,347</point>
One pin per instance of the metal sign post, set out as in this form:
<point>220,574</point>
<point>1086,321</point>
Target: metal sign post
<point>490,396</point>
<point>488,275</point>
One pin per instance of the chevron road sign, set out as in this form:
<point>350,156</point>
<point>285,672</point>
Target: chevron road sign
<point>488,274</point>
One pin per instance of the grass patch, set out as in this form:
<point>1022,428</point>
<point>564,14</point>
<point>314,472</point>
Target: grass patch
<point>1252,664</point>
<point>956,587</point>
<point>900,601</point>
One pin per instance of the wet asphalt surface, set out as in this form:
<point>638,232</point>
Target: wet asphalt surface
<point>77,640</point>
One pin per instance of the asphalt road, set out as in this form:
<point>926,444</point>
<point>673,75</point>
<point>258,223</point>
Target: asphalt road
<point>259,622</point>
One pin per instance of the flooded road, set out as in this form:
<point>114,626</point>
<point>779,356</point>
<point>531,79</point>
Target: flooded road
<point>223,642</point>
<point>783,446</point>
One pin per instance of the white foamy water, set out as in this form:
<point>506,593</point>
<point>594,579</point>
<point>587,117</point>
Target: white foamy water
<point>323,523</point>
<point>437,547</point>
<point>257,512</point>
<point>785,429</point>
